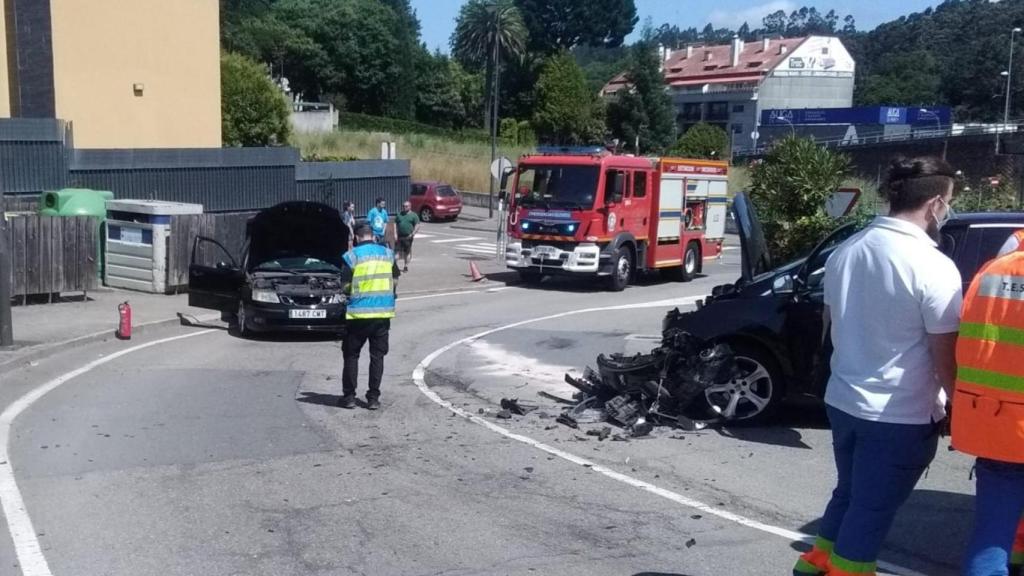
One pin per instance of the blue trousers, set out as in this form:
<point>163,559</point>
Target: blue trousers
<point>879,464</point>
<point>998,508</point>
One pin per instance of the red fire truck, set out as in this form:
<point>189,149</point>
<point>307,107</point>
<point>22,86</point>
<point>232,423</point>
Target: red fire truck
<point>590,212</point>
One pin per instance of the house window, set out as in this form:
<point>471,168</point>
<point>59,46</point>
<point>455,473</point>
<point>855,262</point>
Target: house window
<point>737,128</point>
<point>718,111</point>
<point>737,108</point>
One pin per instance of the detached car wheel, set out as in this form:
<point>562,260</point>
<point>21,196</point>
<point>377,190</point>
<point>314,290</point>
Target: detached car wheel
<point>752,395</point>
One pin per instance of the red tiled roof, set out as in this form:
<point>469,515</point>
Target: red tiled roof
<point>754,63</point>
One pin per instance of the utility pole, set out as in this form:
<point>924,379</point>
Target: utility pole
<point>495,86</point>
<point>6,323</point>
<point>1009,84</point>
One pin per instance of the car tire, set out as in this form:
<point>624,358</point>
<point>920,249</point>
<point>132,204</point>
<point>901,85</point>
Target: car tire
<point>426,214</point>
<point>530,276</point>
<point>622,270</point>
<point>759,377</point>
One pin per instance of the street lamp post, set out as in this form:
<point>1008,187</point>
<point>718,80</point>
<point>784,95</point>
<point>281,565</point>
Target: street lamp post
<point>496,78</point>
<point>938,126</point>
<point>1009,84</point>
<point>6,324</point>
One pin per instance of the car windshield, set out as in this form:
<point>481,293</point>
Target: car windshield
<point>294,263</point>
<point>445,191</point>
<point>557,186</point>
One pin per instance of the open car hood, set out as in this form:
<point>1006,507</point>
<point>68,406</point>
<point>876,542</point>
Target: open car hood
<point>297,229</point>
<point>753,249</point>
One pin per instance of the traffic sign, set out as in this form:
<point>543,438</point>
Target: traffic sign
<point>499,166</point>
<point>842,201</point>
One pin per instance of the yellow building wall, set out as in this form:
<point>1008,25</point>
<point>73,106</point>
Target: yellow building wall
<point>104,49</point>
<point>5,86</point>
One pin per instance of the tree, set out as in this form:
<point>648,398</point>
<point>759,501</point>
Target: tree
<point>438,93</point>
<point>481,26</point>
<point>702,141</point>
<point>644,109</point>
<point>254,112</point>
<point>775,23</point>
<point>906,80</point>
<point>567,111</point>
<point>789,188</point>
<point>564,24</point>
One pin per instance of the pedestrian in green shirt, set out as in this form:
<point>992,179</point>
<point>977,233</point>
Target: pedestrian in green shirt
<point>407,225</point>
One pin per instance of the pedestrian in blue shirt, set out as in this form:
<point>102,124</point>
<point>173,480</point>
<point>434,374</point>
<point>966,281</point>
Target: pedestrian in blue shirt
<point>377,218</point>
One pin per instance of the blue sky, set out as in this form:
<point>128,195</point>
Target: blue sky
<point>438,16</point>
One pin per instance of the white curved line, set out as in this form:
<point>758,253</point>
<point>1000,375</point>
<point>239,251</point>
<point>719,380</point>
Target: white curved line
<point>26,545</point>
<point>419,378</point>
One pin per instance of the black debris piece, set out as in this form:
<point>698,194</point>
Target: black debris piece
<point>567,420</point>
<point>558,399</point>
<point>691,542</point>
<point>503,414</point>
<point>514,406</point>
<point>601,434</point>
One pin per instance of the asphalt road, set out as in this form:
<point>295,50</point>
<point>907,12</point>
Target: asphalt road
<point>210,455</point>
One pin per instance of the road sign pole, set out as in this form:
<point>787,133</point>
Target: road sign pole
<point>6,323</point>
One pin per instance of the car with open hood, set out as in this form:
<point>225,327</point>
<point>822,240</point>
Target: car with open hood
<point>773,316</point>
<point>289,277</point>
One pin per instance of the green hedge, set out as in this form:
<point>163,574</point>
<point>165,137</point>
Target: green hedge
<point>367,123</point>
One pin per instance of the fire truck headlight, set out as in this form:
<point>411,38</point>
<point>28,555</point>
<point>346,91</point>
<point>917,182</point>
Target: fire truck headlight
<point>571,228</point>
<point>526,226</point>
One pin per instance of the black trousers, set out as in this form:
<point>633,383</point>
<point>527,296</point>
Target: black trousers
<point>358,332</point>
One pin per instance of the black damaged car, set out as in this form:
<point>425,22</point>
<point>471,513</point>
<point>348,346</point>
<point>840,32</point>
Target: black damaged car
<point>773,317</point>
<point>290,273</point>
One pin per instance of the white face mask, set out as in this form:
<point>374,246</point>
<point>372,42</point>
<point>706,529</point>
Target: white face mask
<point>950,213</point>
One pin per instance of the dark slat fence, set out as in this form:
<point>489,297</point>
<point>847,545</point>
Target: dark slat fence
<point>53,255</point>
<point>227,229</point>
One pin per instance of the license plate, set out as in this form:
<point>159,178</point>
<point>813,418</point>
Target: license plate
<point>307,314</point>
<point>544,251</point>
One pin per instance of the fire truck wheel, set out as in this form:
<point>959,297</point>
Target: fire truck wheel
<point>622,270</point>
<point>691,262</point>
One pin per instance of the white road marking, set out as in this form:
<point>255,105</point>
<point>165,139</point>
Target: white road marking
<point>419,378</point>
<point>477,249</point>
<point>462,239</point>
<point>456,293</point>
<point>424,236</point>
<point>26,544</point>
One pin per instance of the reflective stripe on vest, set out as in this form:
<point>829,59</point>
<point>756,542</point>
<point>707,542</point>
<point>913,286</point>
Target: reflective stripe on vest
<point>988,404</point>
<point>373,294</point>
<point>1019,235</point>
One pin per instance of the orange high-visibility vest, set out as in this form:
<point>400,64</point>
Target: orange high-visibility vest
<point>1019,235</point>
<point>988,404</point>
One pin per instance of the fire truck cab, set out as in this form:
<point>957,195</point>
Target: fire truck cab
<point>590,212</point>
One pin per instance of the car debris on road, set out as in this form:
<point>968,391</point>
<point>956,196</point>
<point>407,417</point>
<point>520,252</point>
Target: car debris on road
<point>664,386</point>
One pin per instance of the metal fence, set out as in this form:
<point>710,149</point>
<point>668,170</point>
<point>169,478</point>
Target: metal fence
<point>37,155</point>
<point>51,255</point>
<point>33,155</point>
<point>361,181</point>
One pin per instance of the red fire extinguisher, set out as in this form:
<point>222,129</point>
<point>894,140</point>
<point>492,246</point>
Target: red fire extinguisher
<point>124,325</point>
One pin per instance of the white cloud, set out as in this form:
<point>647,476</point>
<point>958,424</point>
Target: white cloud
<point>753,15</point>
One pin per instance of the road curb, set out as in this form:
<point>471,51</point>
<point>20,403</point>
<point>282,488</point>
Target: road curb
<point>41,351</point>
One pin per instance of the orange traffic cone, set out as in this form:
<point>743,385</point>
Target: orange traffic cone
<point>474,272</point>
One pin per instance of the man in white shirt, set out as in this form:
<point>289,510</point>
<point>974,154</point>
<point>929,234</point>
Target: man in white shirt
<point>894,302</point>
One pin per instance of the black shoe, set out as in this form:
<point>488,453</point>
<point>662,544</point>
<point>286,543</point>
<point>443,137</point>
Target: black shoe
<point>347,402</point>
<point>406,269</point>
<point>373,404</point>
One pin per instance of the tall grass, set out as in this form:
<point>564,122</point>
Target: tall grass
<point>465,165</point>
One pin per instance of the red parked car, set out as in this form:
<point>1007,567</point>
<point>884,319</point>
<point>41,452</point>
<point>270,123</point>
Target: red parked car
<point>435,201</point>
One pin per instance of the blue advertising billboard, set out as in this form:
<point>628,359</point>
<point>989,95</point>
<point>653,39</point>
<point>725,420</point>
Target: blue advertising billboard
<point>884,115</point>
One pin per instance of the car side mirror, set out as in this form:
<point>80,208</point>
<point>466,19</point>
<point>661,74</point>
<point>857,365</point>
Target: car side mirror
<point>783,284</point>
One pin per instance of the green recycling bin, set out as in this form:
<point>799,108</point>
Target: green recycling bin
<point>79,202</point>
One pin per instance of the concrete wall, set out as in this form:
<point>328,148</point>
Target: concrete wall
<point>104,49</point>
<point>314,121</point>
<point>806,92</point>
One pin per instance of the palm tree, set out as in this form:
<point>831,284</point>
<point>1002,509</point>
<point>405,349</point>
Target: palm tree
<point>481,24</point>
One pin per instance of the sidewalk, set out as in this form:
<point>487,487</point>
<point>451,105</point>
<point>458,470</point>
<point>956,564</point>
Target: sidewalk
<point>40,327</point>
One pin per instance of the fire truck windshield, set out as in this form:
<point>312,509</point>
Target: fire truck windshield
<point>557,186</point>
